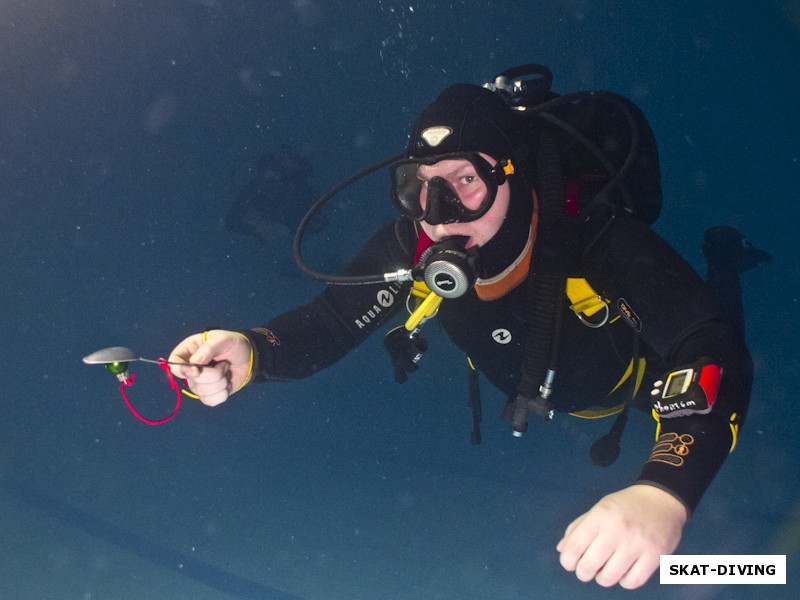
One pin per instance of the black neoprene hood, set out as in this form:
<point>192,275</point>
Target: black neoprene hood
<point>470,118</point>
<point>465,118</point>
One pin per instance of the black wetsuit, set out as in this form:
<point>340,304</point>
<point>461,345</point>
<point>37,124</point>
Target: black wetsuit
<point>680,323</point>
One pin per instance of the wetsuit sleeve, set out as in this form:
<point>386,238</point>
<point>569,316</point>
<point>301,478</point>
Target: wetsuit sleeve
<point>309,338</point>
<point>680,320</point>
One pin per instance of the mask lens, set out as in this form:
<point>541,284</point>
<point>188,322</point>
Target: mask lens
<point>407,190</point>
<point>448,189</point>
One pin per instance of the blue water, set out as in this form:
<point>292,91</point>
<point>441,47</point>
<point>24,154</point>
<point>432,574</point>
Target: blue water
<point>123,130</point>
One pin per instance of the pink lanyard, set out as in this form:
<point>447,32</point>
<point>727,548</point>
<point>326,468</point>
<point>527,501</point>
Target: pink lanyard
<point>172,383</point>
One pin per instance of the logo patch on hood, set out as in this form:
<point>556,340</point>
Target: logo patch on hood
<point>435,135</point>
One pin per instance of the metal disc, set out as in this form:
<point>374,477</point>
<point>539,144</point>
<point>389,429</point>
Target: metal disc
<point>111,355</point>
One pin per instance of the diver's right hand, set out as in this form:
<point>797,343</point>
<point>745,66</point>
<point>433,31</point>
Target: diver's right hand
<point>228,355</point>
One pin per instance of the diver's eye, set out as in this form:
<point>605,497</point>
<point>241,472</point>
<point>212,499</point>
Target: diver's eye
<point>467,179</point>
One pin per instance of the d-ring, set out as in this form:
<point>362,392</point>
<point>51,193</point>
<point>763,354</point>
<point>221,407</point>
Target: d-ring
<point>589,323</point>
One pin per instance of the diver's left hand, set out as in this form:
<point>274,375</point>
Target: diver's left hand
<point>620,540</point>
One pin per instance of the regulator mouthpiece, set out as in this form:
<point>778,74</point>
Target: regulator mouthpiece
<point>448,269</point>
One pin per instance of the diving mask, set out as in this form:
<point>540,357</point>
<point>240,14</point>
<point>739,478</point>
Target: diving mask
<point>448,188</point>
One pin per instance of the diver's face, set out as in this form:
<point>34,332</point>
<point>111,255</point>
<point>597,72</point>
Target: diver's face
<point>461,177</point>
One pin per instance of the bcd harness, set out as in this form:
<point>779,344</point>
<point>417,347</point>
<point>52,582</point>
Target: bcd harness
<point>594,312</point>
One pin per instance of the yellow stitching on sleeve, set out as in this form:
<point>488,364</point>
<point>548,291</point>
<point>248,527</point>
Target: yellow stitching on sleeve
<point>734,425</point>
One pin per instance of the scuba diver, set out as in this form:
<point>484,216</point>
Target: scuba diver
<point>260,210</point>
<point>528,237</point>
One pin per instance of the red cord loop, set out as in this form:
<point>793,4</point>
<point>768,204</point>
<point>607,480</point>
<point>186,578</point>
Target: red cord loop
<point>172,383</point>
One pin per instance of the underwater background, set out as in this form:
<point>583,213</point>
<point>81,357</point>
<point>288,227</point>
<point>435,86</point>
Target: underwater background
<point>139,141</point>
